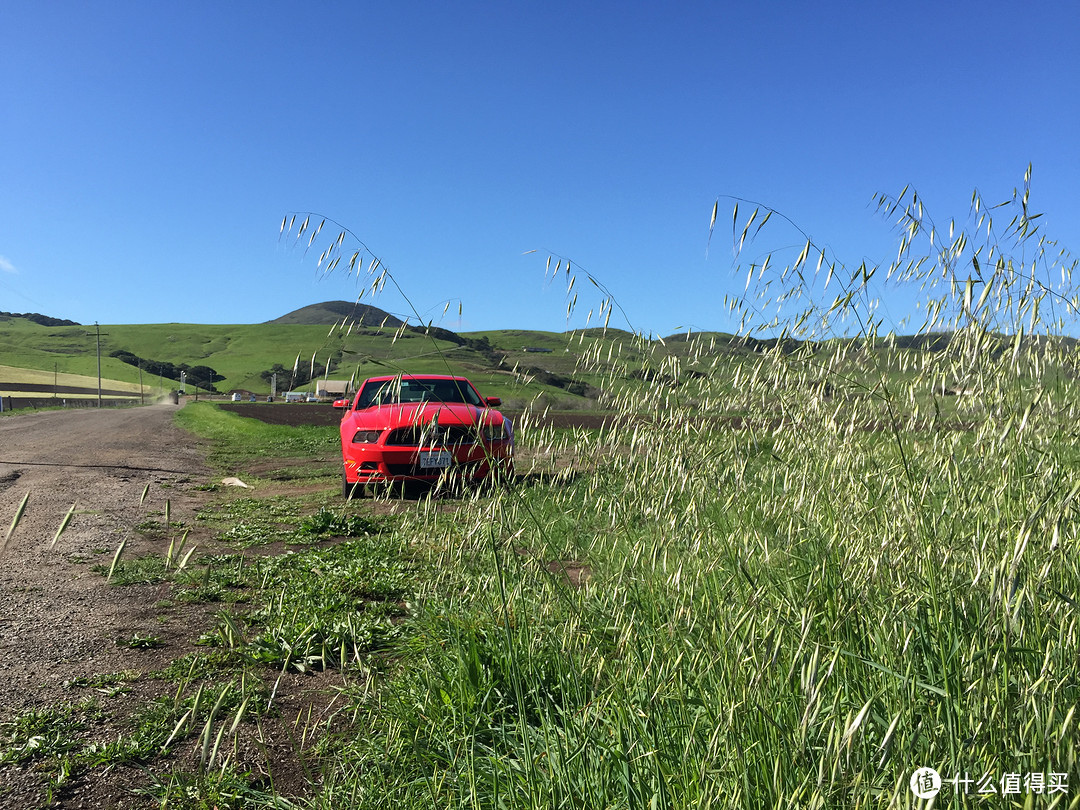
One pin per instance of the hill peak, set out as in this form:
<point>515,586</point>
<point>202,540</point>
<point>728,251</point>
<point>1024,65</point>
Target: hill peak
<point>331,312</point>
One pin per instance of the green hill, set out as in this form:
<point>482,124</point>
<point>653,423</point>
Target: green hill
<point>333,312</point>
<point>334,334</point>
<point>565,369</point>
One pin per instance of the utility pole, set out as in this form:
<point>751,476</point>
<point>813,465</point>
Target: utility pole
<point>98,327</point>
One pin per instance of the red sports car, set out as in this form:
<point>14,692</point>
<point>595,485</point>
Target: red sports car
<point>422,428</point>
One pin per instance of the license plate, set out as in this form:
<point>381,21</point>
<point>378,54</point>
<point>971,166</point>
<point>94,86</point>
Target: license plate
<point>436,459</point>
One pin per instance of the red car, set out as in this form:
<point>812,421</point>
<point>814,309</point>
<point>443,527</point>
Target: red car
<point>422,428</point>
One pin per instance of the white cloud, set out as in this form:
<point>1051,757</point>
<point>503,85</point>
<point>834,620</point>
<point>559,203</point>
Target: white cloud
<point>6,266</point>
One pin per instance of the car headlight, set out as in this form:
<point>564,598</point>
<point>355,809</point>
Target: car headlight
<point>494,433</point>
<point>366,436</point>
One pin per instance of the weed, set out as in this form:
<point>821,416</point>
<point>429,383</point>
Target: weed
<point>155,529</point>
<point>194,667</point>
<point>217,790</point>
<point>138,641</point>
<point>103,681</point>
<point>147,570</point>
<point>46,734</point>
<point>813,563</point>
<point>328,523</point>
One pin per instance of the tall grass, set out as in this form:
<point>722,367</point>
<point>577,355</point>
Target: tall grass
<point>811,562</point>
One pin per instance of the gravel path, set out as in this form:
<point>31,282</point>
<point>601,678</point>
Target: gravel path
<point>58,619</point>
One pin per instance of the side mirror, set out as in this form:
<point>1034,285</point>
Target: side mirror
<point>341,404</point>
<point>494,402</point>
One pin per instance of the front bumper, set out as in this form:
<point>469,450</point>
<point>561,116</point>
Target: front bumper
<point>373,463</point>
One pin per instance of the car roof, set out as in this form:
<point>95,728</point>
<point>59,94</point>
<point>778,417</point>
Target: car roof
<point>415,377</point>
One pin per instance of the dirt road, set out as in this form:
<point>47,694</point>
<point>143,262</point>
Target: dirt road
<point>58,619</point>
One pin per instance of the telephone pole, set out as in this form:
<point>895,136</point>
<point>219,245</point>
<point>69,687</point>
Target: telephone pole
<point>98,332</point>
<point>97,326</point>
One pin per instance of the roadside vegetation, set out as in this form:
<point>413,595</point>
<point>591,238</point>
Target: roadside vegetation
<point>789,577</point>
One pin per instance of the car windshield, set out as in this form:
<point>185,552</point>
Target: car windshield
<point>407,390</point>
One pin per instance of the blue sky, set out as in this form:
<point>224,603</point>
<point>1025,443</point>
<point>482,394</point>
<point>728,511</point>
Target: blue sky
<point>148,151</point>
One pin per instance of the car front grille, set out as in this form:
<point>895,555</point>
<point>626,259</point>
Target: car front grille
<point>447,436</point>
<point>467,469</point>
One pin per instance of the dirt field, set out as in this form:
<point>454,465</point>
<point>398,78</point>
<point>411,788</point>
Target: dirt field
<point>279,413</point>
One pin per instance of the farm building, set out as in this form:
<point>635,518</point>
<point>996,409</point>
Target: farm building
<point>333,389</point>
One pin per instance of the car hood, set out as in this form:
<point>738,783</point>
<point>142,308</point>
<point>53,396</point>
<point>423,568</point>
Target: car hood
<point>384,417</point>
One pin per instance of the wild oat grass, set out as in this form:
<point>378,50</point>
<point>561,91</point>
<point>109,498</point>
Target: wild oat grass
<point>809,569</point>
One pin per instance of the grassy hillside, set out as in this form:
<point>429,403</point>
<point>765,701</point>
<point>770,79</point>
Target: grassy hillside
<point>66,355</point>
<point>241,352</point>
<point>563,370</point>
<point>11,376</point>
<point>575,370</point>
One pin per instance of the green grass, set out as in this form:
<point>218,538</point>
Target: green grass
<point>60,741</point>
<point>322,607</point>
<point>239,441</point>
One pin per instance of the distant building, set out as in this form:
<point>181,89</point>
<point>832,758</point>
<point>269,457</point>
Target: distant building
<point>534,349</point>
<point>333,389</point>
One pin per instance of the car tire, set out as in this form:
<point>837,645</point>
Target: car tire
<point>350,490</point>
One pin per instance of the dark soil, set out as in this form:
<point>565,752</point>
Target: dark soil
<point>310,413</point>
<point>43,388</point>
